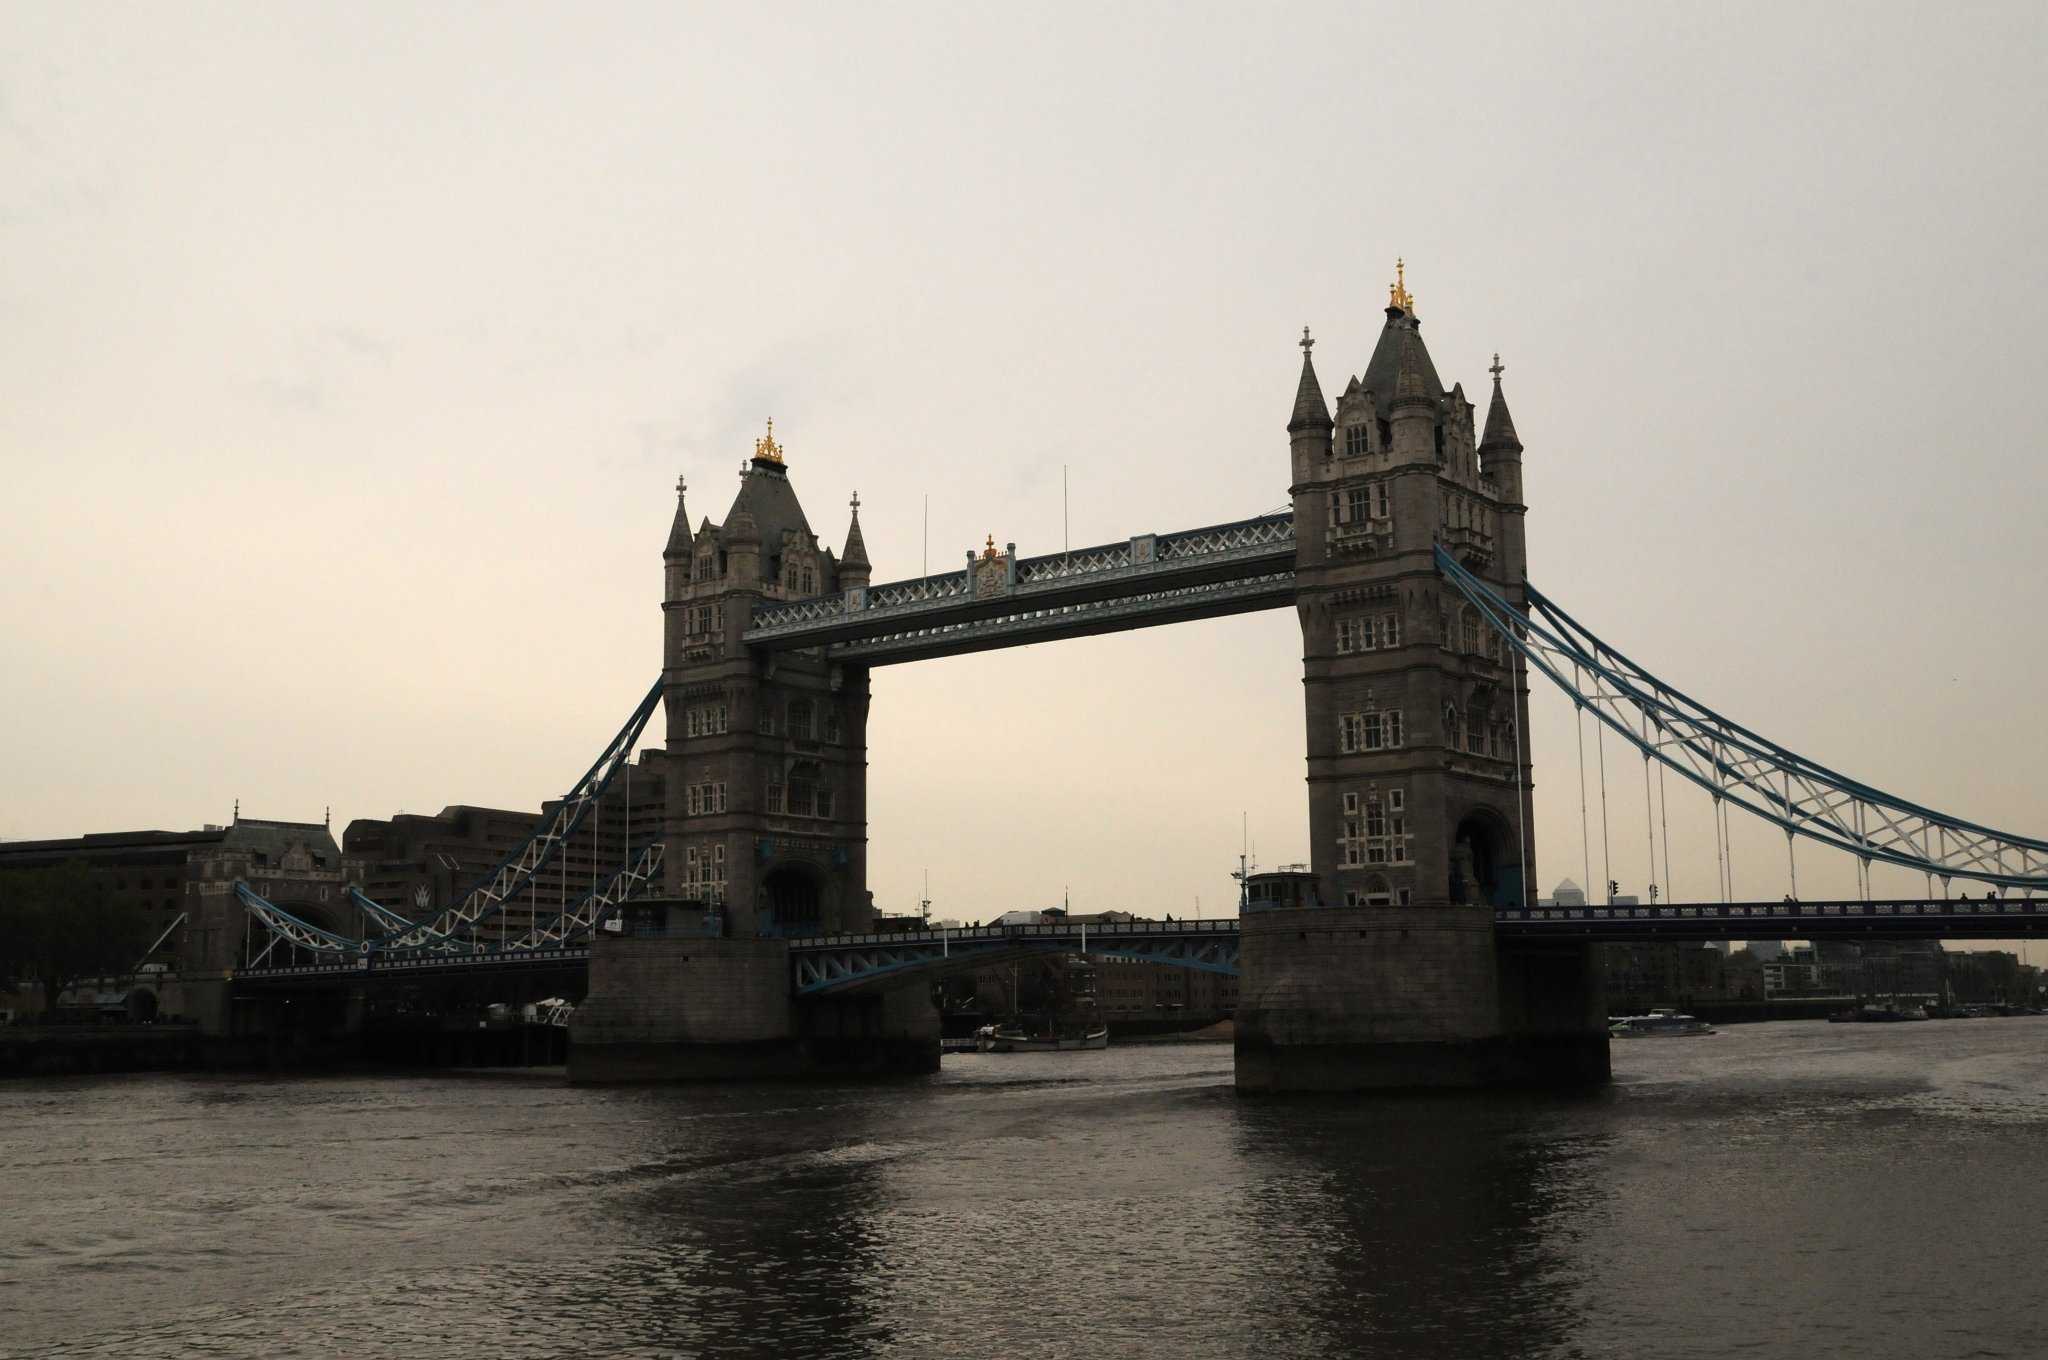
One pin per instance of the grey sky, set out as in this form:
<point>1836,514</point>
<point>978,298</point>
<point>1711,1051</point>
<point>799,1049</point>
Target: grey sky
<point>349,354</point>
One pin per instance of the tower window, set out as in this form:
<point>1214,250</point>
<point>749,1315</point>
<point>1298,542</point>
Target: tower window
<point>800,719</point>
<point>1355,442</point>
<point>1372,730</point>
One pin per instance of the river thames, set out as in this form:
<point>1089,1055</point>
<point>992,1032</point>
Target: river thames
<point>1787,1190</point>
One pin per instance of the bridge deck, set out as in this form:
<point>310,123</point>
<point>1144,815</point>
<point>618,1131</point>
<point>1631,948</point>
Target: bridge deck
<point>840,962</point>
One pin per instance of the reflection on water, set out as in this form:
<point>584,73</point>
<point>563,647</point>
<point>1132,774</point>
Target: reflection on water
<point>1777,1191</point>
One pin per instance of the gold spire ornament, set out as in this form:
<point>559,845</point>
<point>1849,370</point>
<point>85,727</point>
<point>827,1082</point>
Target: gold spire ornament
<point>1397,292</point>
<point>766,448</point>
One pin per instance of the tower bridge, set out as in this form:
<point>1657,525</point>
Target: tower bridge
<point>1418,957</point>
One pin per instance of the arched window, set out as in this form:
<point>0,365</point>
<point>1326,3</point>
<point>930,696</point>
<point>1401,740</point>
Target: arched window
<point>1453,727</point>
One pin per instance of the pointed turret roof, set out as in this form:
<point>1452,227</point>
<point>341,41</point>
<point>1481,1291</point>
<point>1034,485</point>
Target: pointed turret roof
<point>1311,412</point>
<point>1400,347</point>
<point>766,502</point>
<point>1500,426</point>
<point>679,531</point>
<point>855,553</point>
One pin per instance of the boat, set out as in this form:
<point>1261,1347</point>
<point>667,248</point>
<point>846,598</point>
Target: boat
<point>998,1039</point>
<point>1871,1014</point>
<point>1662,1023</point>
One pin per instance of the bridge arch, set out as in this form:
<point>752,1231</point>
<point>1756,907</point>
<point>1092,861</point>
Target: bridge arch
<point>1485,862</point>
<point>792,899</point>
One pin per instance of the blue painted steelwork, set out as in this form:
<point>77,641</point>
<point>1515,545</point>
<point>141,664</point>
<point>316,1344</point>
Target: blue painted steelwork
<point>846,962</point>
<point>490,893</point>
<point>1001,601</point>
<point>419,965</point>
<point>1735,763</point>
<point>451,930</point>
<point>1983,919</point>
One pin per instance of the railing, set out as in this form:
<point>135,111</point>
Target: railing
<point>1104,571</point>
<point>1991,918</point>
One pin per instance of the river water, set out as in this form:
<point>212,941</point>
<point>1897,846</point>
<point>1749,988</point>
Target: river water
<point>1788,1190</point>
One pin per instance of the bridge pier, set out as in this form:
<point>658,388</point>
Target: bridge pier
<point>1383,999</point>
<point>708,1009</point>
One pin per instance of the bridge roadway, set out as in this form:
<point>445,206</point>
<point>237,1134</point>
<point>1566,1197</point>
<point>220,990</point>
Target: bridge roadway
<point>843,963</point>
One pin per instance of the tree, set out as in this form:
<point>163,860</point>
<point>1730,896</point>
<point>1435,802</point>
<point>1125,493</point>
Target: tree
<point>62,925</point>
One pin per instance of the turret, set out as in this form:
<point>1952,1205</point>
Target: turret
<point>853,561</point>
<point>1500,457</point>
<point>675,558</point>
<point>1308,429</point>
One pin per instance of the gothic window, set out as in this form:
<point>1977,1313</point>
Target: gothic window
<point>810,582</point>
<point>707,566</point>
<point>1390,630</point>
<point>1358,504</point>
<point>1377,893</point>
<point>831,725</point>
<point>1386,828</point>
<point>1386,432</point>
<point>1468,629</point>
<point>1354,635</point>
<point>800,719</point>
<point>801,791</point>
<point>1372,730</point>
<point>1475,733</point>
<point>768,720</point>
<point>1452,725</point>
<point>774,800</point>
<point>1354,441</point>
<point>1379,500</point>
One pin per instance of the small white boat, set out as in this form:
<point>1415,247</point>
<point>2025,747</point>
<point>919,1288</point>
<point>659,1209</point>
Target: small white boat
<point>994,1039</point>
<point>1662,1023</point>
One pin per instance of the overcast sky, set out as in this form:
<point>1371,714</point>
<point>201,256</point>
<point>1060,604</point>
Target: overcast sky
<point>349,355</point>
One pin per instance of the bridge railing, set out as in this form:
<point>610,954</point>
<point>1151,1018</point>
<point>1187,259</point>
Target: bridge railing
<point>1988,918</point>
<point>1094,930</point>
<point>1110,568</point>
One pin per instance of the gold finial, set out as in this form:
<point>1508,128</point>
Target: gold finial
<point>766,447</point>
<point>1397,293</point>
<point>989,554</point>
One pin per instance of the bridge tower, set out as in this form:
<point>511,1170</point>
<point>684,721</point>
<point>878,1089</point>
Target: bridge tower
<point>1418,772</point>
<point>767,751</point>
<point>765,781</point>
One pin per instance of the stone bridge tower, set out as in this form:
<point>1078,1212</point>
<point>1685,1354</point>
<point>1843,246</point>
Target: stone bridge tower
<point>765,781</point>
<point>767,751</point>
<point>1418,770</point>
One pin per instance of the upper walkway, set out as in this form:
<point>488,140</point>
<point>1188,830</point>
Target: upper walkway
<point>1001,600</point>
